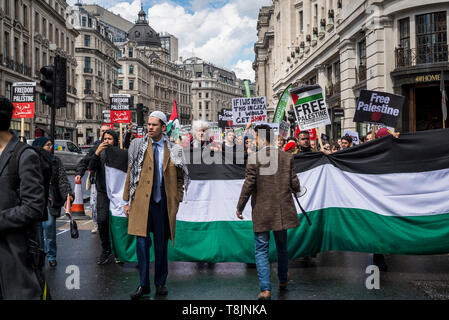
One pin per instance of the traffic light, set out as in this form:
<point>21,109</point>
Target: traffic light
<point>60,82</point>
<point>48,84</point>
<point>139,111</point>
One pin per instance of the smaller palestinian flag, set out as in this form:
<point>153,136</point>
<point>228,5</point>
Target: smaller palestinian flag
<point>173,123</point>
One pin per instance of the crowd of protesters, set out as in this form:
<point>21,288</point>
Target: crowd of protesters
<point>233,141</point>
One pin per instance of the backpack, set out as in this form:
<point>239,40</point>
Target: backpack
<point>46,169</point>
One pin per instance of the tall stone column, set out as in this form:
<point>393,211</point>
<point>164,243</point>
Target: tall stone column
<point>348,80</point>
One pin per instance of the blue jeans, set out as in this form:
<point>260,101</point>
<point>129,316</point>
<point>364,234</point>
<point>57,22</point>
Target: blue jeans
<point>49,228</point>
<point>262,240</point>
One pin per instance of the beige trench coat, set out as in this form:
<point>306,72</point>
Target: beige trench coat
<point>173,181</point>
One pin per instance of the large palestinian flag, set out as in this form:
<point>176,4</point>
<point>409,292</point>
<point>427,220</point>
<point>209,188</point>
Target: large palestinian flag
<point>386,196</point>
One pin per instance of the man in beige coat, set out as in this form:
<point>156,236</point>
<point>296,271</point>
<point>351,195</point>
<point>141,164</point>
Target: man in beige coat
<point>270,180</point>
<point>154,188</point>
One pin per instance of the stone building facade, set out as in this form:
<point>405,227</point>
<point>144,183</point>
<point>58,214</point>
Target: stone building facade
<point>32,33</point>
<point>96,73</point>
<point>346,46</point>
<point>149,76</point>
<point>213,89</point>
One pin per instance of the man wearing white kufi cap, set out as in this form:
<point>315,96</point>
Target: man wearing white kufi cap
<point>154,188</point>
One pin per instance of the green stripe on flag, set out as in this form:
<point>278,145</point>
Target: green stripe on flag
<point>339,229</point>
<point>309,98</point>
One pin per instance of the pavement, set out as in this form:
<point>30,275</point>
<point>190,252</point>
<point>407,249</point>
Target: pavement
<point>328,276</point>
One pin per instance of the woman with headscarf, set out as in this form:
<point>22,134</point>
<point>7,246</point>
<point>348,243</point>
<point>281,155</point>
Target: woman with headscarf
<point>97,165</point>
<point>59,189</point>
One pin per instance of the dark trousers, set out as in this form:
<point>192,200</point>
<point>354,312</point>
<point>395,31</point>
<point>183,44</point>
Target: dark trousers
<point>103,220</point>
<point>158,224</point>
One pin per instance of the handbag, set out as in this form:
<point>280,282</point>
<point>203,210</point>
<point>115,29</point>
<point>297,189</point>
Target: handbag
<point>74,233</point>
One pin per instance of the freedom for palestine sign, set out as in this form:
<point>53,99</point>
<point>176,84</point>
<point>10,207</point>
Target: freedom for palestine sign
<point>379,108</point>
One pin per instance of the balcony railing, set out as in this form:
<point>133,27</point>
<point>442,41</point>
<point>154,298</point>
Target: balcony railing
<point>88,91</point>
<point>88,70</point>
<point>421,55</point>
<point>15,66</point>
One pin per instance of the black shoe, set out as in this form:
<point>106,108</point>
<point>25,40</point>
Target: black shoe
<point>52,263</point>
<point>140,291</point>
<point>379,261</point>
<point>161,290</point>
<point>105,257</point>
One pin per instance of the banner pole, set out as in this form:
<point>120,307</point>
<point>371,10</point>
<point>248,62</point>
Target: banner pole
<point>373,131</point>
<point>121,138</point>
<point>317,130</point>
<point>22,129</point>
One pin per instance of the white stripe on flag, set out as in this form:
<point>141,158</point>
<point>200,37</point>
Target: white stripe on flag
<point>396,194</point>
<point>115,184</point>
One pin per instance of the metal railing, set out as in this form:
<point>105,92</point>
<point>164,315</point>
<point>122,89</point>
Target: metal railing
<point>87,70</point>
<point>421,55</point>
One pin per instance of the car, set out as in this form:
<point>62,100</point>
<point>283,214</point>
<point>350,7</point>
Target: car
<point>69,153</point>
<point>85,149</point>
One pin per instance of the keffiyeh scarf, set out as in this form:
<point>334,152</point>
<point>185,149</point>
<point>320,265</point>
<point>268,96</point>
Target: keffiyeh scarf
<point>136,154</point>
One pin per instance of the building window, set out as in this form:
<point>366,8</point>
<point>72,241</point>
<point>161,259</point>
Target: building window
<point>36,21</point>
<point>16,9</point>
<point>83,21</point>
<point>131,84</point>
<point>86,41</point>
<point>431,37</point>
<point>199,105</point>
<point>301,22</point>
<point>44,27</point>
<point>362,52</point>
<point>199,94</point>
<point>130,52</point>
<point>8,91</point>
<point>89,23</point>
<point>6,44</point>
<point>120,53</point>
<point>88,110</point>
<point>131,69</point>
<point>25,16</point>
<point>120,70</point>
<point>207,94</point>
<point>86,64</point>
<point>25,54</point>
<point>6,6</point>
<point>88,84</point>
<point>404,33</point>
<point>120,84</point>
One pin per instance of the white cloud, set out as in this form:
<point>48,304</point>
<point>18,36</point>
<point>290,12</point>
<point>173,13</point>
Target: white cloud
<point>219,32</point>
<point>127,10</point>
<point>244,69</point>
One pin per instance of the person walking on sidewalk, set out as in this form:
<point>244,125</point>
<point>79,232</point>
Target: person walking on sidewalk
<point>59,189</point>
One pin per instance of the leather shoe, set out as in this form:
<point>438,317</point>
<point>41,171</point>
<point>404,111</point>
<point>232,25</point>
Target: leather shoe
<point>140,291</point>
<point>161,290</point>
<point>283,285</point>
<point>264,295</point>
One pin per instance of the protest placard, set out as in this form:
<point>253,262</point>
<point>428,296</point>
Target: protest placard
<point>380,108</point>
<point>120,108</point>
<point>284,128</point>
<point>354,135</point>
<point>310,107</point>
<point>23,99</point>
<point>246,110</point>
<point>225,118</point>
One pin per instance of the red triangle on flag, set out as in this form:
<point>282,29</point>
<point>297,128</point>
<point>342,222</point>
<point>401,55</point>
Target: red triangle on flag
<point>295,98</point>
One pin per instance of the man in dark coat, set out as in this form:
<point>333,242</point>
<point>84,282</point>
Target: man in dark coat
<point>81,169</point>
<point>270,180</point>
<point>20,210</point>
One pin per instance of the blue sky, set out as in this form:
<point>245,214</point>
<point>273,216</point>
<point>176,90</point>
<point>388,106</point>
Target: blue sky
<point>222,31</point>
